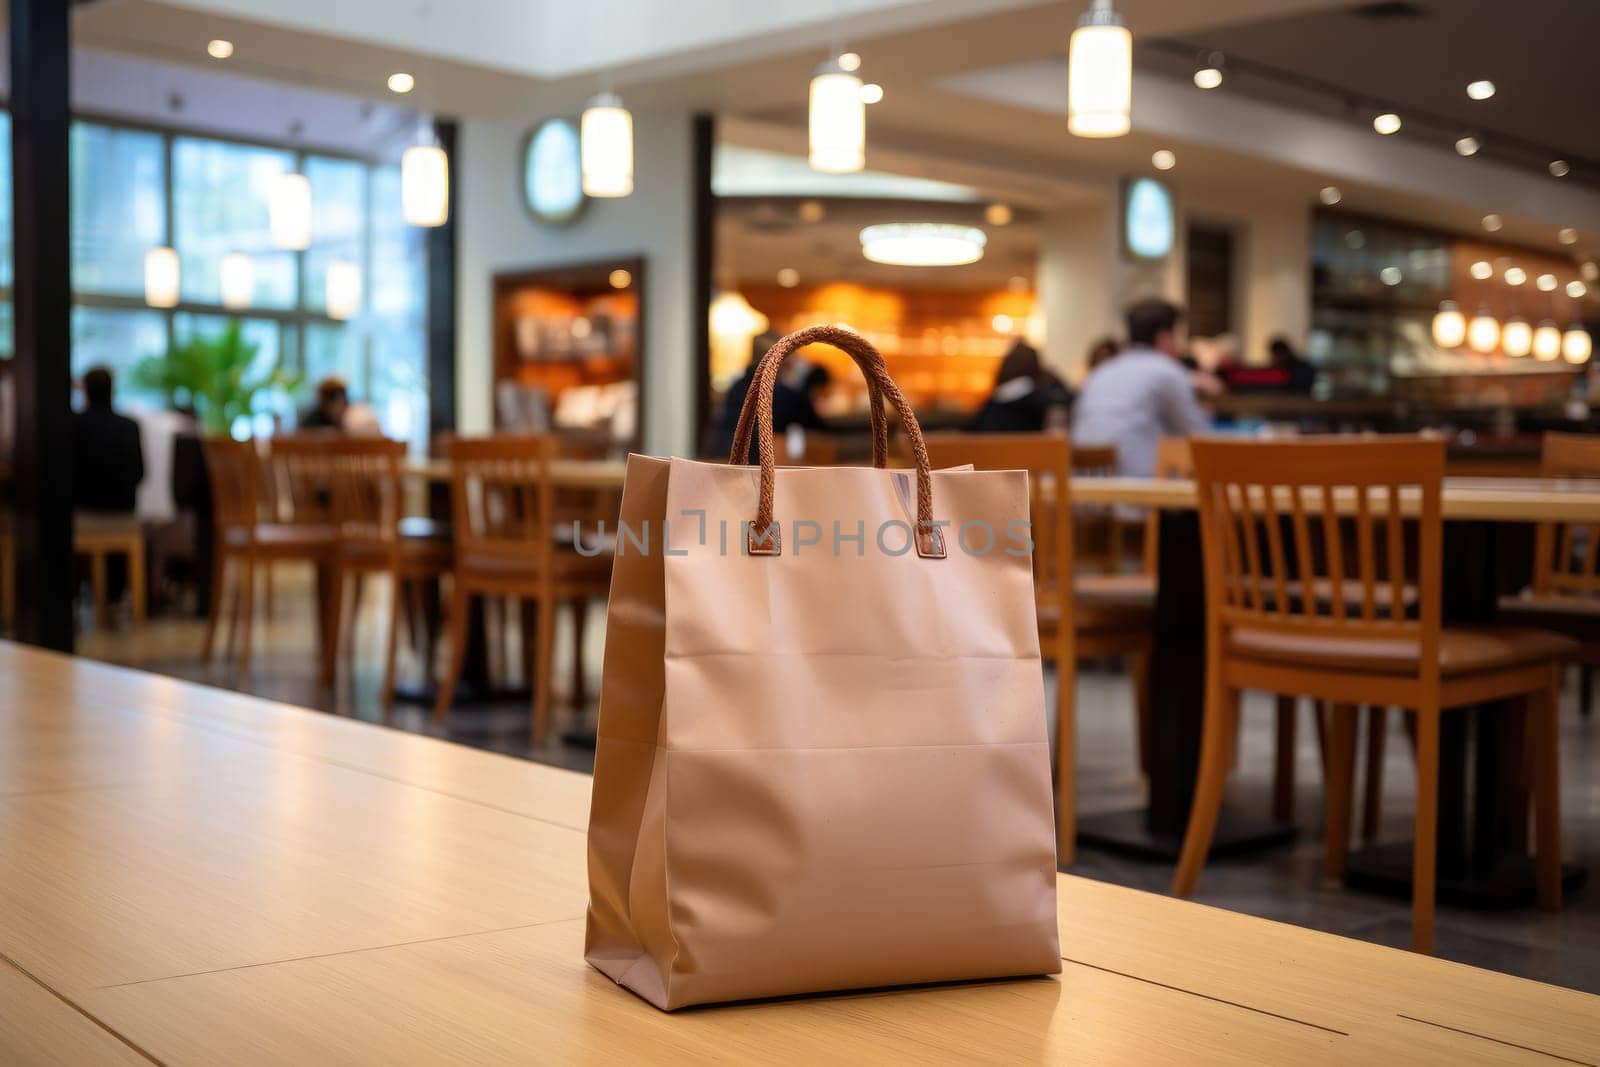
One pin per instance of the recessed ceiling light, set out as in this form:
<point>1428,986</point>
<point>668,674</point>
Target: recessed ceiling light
<point>812,211</point>
<point>1483,270</point>
<point>1387,123</point>
<point>1546,282</point>
<point>1515,275</point>
<point>788,277</point>
<point>997,214</point>
<point>1590,271</point>
<point>1390,276</point>
<point>401,82</point>
<point>1560,168</point>
<point>1468,146</point>
<point>1576,289</point>
<point>1567,235</point>
<point>1330,195</point>
<point>219,49</point>
<point>1207,78</point>
<point>620,279</point>
<point>1480,90</point>
<point>922,244</point>
<point>871,93</point>
<point>849,61</point>
<point>1492,222</point>
<point>1163,159</point>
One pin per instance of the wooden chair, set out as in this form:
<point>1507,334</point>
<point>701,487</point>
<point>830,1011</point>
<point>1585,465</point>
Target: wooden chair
<point>1565,595</point>
<point>1262,506</point>
<point>506,545</point>
<point>102,536</point>
<point>372,535</point>
<point>252,527</point>
<point>1080,616</point>
<point>1097,529</point>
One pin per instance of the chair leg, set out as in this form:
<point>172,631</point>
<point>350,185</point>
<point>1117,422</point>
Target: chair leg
<point>1066,755</point>
<point>545,652</point>
<point>1221,722</point>
<point>1320,717</point>
<point>1546,731</point>
<point>333,626</point>
<point>219,574</point>
<point>1424,859</point>
<point>580,617</point>
<point>266,591</point>
<point>247,588</point>
<point>1283,767</point>
<point>1341,773</point>
<point>97,581</point>
<point>1585,689</point>
<point>1372,800</point>
<point>460,607</point>
<point>136,589</point>
<point>392,642</point>
<point>1139,668</point>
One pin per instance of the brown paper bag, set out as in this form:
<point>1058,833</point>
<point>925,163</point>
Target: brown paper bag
<point>822,758</point>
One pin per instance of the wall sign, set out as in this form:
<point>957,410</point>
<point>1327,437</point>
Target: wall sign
<point>552,172</point>
<point>1149,222</point>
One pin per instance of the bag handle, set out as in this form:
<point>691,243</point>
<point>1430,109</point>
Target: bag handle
<point>763,537</point>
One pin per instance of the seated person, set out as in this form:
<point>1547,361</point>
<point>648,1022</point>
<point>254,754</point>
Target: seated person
<point>794,398</point>
<point>1026,398</point>
<point>108,459</point>
<point>333,401</point>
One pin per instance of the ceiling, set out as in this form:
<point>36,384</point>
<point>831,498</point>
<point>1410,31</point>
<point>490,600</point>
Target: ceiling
<point>1419,55</point>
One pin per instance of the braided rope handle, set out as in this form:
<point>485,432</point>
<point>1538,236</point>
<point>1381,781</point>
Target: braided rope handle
<point>763,539</point>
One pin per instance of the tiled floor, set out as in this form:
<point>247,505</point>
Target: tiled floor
<point>1285,884</point>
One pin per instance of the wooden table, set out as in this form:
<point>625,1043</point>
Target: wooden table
<point>1482,861</point>
<point>189,875</point>
<point>564,473</point>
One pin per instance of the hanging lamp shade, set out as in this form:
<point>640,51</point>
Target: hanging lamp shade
<point>1483,332</point>
<point>342,289</point>
<point>606,147</point>
<point>1516,337</point>
<point>290,212</point>
<point>425,184</point>
<point>1547,341</point>
<point>238,278</point>
<point>161,277</point>
<point>1100,74</point>
<point>838,120</point>
<point>1449,325</point>
<point>1576,344</point>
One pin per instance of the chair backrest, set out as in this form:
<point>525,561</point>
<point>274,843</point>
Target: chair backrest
<point>1566,554</point>
<point>1098,534</point>
<point>1173,460</point>
<point>1311,537</point>
<point>1100,460</point>
<point>366,480</point>
<point>296,481</point>
<point>234,470</point>
<point>1047,458</point>
<point>501,499</point>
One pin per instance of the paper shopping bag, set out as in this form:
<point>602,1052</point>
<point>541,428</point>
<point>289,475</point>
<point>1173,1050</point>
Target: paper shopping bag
<point>822,759</point>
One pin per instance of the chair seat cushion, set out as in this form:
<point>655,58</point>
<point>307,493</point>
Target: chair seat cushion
<point>1122,589</point>
<point>1552,604</point>
<point>1106,602</point>
<point>1352,591</point>
<point>568,564</point>
<point>286,536</point>
<point>1462,650</point>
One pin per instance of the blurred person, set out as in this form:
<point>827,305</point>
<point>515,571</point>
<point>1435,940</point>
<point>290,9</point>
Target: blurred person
<point>110,458</point>
<point>333,401</point>
<point>794,398</point>
<point>1301,371</point>
<point>1026,397</point>
<point>733,399</point>
<point>1141,394</point>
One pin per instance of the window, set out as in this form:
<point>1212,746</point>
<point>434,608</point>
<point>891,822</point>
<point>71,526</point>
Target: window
<point>220,193</point>
<point>338,221</point>
<point>118,338</point>
<point>119,209</point>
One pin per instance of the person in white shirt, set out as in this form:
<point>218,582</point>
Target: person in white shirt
<point>1141,394</point>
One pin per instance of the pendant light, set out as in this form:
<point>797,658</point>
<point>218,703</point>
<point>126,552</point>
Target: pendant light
<point>1449,325</point>
<point>1483,332</point>
<point>838,120</point>
<point>238,278</point>
<point>1547,341</point>
<point>342,289</point>
<point>290,212</point>
<point>1576,344</point>
<point>1516,338</point>
<point>425,180</point>
<point>161,277</point>
<point>1100,74</point>
<point>606,147</point>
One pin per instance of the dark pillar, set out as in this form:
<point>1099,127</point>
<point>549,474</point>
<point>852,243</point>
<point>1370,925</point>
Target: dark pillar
<point>441,247</point>
<point>704,220</point>
<point>40,113</point>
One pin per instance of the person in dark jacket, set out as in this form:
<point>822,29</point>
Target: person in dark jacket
<point>1024,397</point>
<point>108,459</point>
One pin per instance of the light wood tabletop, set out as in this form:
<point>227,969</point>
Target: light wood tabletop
<point>1491,499</point>
<point>565,473</point>
<point>189,875</point>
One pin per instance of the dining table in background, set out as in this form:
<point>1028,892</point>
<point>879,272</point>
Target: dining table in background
<point>1482,826</point>
<point>193,875</point>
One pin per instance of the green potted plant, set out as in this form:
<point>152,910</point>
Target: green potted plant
<point>215,376</point>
